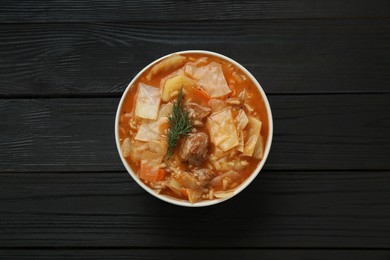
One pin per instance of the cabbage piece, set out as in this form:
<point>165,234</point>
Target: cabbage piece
<point>259,148</point>
<point>165,110</point>
<point>147,131</point>
<point>159,147</point>
<point>148,101</point>
<point>126,148</point>
<point>194,195</point>
<point>150,166</point>
<point>222,164</point>
<point>240,140</point>
<point>254,127</point>
<point>241,119</point>
<point>222,130</point>
<point>217,181</point>
<point>174,186</point>
<point>239,165</point>
<point>150,129</point>
<point>217,134</point>
<point>216,105</point>
<point>218,153</point>
<point>201,60</point>
<point>188,181</point>
<point>210,78</point>
<point>137,150</point>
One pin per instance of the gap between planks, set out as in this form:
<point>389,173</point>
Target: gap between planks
<point>118,95</point>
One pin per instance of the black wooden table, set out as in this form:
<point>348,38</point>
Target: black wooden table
<point>323,194</point>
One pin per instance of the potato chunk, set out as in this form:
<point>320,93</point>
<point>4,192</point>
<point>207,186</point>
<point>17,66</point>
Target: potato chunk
<point>169,64</point>
<point>174,84</point>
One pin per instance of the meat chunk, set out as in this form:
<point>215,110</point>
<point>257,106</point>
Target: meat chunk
<point>197,112</point>
<point>194,148</point>
<point>204,176</point>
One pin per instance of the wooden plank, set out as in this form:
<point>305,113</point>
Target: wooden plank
<point>279,209</point>
<point>304,56</point>
<point>179,254</point>
<point>311,132</point>
<point>102,11</point>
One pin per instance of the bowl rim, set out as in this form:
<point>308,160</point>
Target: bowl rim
<point>238,189</point>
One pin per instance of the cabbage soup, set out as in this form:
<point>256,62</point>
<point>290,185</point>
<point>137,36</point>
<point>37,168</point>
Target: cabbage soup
<point>193,127</point>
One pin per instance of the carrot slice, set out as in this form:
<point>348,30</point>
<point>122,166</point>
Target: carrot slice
<point>161,175</point>
<point>200,94</point>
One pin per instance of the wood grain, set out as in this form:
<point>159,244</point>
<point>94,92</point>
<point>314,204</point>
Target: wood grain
<point>311,132</point>
<point>178,254</point>
<point>304,56</point>
<point>168,10</point>
<point>291,209</point>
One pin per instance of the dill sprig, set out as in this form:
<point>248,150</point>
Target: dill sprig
<point>180,123</point>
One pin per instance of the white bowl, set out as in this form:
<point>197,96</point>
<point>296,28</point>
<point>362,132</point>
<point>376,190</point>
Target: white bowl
<point>206,202</point>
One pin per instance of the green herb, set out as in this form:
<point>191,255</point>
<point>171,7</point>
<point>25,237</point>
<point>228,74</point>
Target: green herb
<point>180,123</point>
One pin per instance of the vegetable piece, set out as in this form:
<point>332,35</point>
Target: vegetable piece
<point>223,164</point>
<point>217,181</point>
<point>210,78</point>
<point>194,195</point>
<point>243,95</point>
<point>202,60</point>
<point>151,160</point>
<point>239,165</point>
<point>147,131</point>
<point>174,84</point>
<point>197,112</point>
<point>219,153</point>
<point>224,194</point>
<point>220,160</point>
<point>158,146</point>
<point>174,186</point>
<point>241,119</point>
<point>222,130</point>
<point>200,94</point>
<point>150,129</point>
<point>254,127</point>
<point>150,166</point>
<point>217,135</point>
<point>161,175</point>
<point>137,150</point>
<point>240,140</point>
<point>259,148</point>
<point>216,105</point>
<point>148,101</point>
<point>180,123</point>
<point>188,181</point>
<point>126,148</point>
<point>169,64</point>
